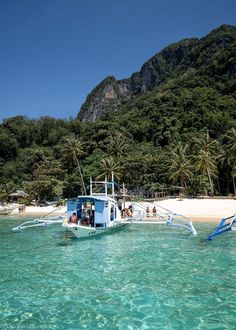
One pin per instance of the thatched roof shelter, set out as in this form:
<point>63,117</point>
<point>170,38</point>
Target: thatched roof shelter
<point>18,194</point>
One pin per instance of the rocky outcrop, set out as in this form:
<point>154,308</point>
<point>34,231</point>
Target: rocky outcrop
<point>180,56</point>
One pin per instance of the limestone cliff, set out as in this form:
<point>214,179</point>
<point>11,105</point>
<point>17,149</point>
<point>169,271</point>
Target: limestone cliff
<point>176,58</point>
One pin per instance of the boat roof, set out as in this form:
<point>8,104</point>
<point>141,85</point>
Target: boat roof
<point>96,197</point>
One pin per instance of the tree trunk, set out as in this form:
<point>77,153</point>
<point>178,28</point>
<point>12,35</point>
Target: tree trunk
<point>210,181</point>
<point>81,176</point>
<point>183,184</point>
<point>234,185</point>
<point>218,185</point>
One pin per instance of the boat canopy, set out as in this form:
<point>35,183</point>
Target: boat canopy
<point>99,209</point>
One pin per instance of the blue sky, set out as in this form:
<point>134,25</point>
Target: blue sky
<point>54,52</point>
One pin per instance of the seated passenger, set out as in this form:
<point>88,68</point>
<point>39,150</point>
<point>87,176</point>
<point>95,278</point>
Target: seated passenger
<point>127,213</point>
<point>73,218</point>
<point>91,220</point>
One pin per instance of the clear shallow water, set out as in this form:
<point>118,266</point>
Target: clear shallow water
<point>141,277</point>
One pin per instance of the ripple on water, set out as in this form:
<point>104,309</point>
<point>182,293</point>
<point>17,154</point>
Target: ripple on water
<point>140,278</point>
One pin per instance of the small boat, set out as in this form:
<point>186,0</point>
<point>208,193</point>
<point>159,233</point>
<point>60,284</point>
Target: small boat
<point>225,225</point>
<point>100,212</point>
<point>97,213</point>
<point>6,210</point>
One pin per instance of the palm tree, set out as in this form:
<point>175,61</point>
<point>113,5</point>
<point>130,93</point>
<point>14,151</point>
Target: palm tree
<point>204,142</point>
<point>117,145</point>
<point>206,157</point>
<point>107,166</point>
<point>230,153</point>
<point>233,174</point>
<point>231,145</point>
<point>74,147</point>
<point>180,166</point>
<point>206,164</point>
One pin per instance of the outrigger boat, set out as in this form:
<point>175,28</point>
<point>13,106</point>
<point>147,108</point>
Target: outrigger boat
<point>100,212</point>
<point>225,225</point>
<point>97,213</point>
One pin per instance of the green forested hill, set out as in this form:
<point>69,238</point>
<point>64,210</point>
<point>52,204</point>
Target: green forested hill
<point>174,129</point>
<point>206,62</point>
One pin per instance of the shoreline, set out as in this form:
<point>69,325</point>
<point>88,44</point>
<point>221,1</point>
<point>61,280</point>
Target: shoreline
<point>39,214</point>
<point>197,210</point>
<point>194,219</point>
<point>205,219</point>
<point>38,211</point>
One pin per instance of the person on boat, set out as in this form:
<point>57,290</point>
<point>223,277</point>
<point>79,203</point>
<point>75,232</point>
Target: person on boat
<point>127,213</point>
<point>91,222</point>
<point>147,211</point>
<point>154,212</point>
<point>73,218</point>
<point>131,210</point>
<point>85,219</point>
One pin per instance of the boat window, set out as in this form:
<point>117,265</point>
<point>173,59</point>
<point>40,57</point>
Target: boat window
<point>112,213</point>
<point>99,225</point>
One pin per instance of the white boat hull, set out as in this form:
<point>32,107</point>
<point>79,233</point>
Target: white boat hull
<point>85,231</point>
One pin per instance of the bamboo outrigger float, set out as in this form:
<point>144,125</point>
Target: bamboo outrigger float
<point>43,221</point>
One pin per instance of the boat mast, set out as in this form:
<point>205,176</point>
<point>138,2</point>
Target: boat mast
<point>105,183</point>
<point>91,186</point>
<point>124,194</point>
<point>113,187</point>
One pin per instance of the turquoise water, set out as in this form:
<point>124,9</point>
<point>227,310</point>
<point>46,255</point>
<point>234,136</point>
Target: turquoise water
<point>141,277</point>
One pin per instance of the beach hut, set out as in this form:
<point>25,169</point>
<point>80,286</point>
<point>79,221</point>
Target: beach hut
<point>17,197</point>
<point>19,194</point>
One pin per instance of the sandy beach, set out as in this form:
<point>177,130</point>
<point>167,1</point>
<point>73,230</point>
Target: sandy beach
<point>44,210</point>
<point>199,210</point>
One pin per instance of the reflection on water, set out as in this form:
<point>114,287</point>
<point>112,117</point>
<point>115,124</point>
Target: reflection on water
<point>142,277</point>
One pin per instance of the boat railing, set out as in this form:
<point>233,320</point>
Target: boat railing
<point>164,216</point>
<point>137,213</point>
<point>179,220</point>
<point>226,224</point>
